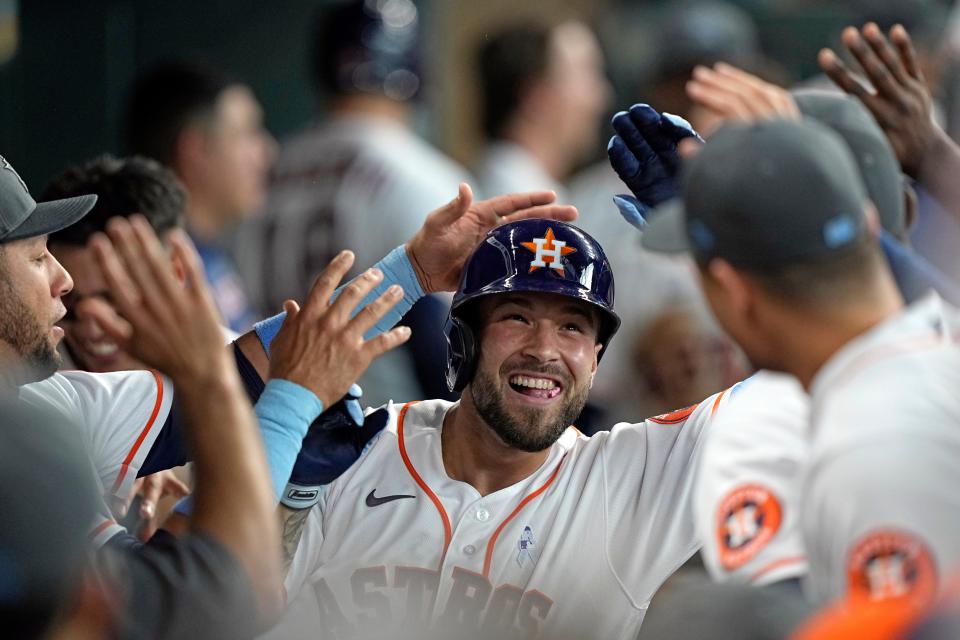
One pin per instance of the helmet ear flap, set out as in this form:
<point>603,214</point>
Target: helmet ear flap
<point>461,352</point>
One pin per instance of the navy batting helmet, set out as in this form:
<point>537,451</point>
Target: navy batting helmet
<point>541,256</point>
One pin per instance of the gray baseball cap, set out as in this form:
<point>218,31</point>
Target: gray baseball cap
<point>875,157</point>
<point>762,195</point>
<point>22,217</point>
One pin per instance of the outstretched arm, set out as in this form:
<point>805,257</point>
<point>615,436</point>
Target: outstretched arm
<point>176,330</point>
<point>432,260</point>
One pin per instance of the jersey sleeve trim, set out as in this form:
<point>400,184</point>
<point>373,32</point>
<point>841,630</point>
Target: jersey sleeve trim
<point>125,467</point>
<point>103,532</point>
<point>674,417</point>
<point>447,528</point>
<point>716,403</point>
<point>779,563</point>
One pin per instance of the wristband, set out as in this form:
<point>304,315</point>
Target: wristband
<point>286,411</point>
<point>396,269</point>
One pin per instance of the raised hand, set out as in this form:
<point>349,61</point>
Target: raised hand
<point>450,234</point>
<point>897,94</point>
<point>320,346</point>
<point>644,154</point>
<point>168,325</point>
<point>735,95</point>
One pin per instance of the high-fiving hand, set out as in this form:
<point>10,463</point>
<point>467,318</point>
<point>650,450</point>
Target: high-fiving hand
<point>449,235</point>
<point>897,94</point>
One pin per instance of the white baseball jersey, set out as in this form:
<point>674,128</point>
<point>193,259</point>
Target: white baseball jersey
<point>120,414</point>
<point>747,491</point>
<point>881,505</point>
<point>577,549</point>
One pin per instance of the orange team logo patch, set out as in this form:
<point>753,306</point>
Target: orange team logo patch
<point>674,417</point>
<point>889,564</point>
<point>747,520</point>
<point>548,247</point>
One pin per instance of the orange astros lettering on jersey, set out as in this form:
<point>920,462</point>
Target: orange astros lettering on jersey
<point>890,564</point>
<point>747,520</point>
<point>674,417</point>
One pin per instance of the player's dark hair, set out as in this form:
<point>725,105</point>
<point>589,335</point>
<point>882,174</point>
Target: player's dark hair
<point>508,64</point>
<point>123,187</point>
<point>825,279</point>
<point>165,100</point>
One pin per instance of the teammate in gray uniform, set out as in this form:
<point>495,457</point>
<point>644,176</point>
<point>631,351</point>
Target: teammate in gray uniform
<point>795,274</point>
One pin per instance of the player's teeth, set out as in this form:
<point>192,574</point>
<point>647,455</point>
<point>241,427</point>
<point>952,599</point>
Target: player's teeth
<point>102,348</point>
<point>533,383</point>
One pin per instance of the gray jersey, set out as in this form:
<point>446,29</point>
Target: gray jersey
<point>747,492</point>
<point>881,510</point>
<point>359,183</point>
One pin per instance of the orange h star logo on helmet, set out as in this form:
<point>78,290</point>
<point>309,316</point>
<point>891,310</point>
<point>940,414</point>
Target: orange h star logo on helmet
<point>548,247</point>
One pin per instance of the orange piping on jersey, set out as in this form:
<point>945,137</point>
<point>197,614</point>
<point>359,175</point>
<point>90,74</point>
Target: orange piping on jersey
<point>716,403</point>
<point>100,528</point>
<point>776,564</point>
<point>143,434</point>
<point>488,558</point>
<point>674,417</point>
<point>447,529</point>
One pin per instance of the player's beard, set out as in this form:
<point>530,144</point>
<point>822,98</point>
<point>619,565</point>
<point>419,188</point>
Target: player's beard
<point>29,338</point>
<point>525,428</point>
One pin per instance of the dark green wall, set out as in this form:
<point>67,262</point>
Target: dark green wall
<point>61,97</point>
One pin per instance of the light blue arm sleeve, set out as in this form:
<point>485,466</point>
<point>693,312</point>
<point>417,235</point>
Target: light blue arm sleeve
<point>285,411</point>
<point>396,269</point>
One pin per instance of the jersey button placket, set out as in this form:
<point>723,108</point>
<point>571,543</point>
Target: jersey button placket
<point>482,514</point>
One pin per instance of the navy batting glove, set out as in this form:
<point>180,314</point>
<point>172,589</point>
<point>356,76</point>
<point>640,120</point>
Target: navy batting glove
<point>644,154</point>
<point>334,442</point>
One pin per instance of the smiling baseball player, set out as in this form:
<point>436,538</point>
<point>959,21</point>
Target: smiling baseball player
<point>493,514</point>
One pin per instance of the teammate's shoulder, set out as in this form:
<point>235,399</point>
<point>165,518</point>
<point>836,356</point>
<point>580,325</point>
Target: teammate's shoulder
<point>702,410</point>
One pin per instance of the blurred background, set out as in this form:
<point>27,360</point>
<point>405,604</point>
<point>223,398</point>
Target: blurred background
<point>68,65</point>
<point>67,68</point>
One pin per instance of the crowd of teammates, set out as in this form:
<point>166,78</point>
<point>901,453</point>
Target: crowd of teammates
<point>818,490</point>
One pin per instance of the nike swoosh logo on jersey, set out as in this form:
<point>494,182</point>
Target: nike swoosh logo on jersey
<point>374,501</point>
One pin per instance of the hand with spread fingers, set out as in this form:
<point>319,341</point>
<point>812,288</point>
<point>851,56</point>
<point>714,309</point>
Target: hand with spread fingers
<point>735,95</point>
<point>321,345</point>
<point>895,91</point>
<point>449,235</point>
<point>174,326</point>
<point>644,153</point>
<point>166,324</point>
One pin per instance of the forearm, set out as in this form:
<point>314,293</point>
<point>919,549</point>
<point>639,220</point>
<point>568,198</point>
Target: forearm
<point>233,499</point>
<point>938,170</point>
<point>292,522</point>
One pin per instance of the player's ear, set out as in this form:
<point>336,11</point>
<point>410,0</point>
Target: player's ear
<point>189,150</point>
<point>873,220</point>
<point>731,286</point>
